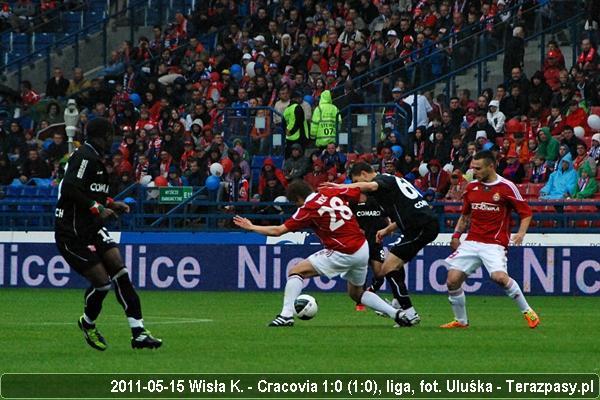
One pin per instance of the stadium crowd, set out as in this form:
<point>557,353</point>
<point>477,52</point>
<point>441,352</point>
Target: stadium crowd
<point>168,97</point>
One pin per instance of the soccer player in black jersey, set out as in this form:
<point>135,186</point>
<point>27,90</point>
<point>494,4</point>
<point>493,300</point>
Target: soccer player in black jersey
<point>371,219</point>
<point>83,204</point>
<point>409,213</point>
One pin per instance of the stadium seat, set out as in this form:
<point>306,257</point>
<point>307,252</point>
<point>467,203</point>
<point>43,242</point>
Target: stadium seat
<point>98,6</point>
<point>72,21</point>
<point>21,43</point>
<point>14,191</point>
<point>41,41</point>
<point>54,192</point>
<point>29,191</point>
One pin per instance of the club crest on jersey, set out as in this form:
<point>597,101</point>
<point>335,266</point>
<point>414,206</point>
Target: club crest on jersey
<point>496,197</point>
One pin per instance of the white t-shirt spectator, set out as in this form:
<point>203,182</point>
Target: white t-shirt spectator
<point>423,108</point>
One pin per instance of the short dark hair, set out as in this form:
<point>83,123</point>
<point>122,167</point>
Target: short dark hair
<point>298,189</point>
<point>359,167</point>
<point>486,155</point>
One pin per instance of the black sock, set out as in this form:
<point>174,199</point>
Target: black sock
<point>376,284</point>
<point>94,296</point>
<point>135,332</point>
<point>128,298</point>
<point>396,280</point>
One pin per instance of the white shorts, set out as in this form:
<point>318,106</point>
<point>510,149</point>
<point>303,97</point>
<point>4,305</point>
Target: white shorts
<point>351,267</point>
<point>470,255</point>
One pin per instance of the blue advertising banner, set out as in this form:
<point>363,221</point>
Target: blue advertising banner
<point>547,264</point>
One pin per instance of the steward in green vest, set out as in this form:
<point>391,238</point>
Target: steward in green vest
<point>296,128</point>
<point>324,121</point>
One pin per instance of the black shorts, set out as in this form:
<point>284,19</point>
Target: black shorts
<point>376,251</point>
<point>77,252</point>
<point>414,240</point>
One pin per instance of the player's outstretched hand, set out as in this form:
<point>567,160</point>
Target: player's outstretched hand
<point>454,243</point>
<point>242,222</point>
<point>517,239</point>
<point>119,206</point>
<point>329,185</point>
<point>107,213</point>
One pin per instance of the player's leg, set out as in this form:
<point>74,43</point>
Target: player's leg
<point>462,262</point>
<point>126,294</point>
<point>356,276</point>
<point>513,290</point>
<point>87,264</point>
<point>372,300</point>
<point>293,287</point>
<point>456,297</point>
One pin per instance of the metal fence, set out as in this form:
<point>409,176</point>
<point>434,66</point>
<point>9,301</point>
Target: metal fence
<point>202,212</point>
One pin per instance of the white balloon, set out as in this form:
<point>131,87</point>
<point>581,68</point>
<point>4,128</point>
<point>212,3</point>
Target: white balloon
<point>448,168</point>
<point>152,192</point>
<point>579,132</point>
<point>280,199</point>
<point>594,122</point>
<point>216,169</point>
<point>146,179</point>
<point>250,69</point>
<point>423,170</point>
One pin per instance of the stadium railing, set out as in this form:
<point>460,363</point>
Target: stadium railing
<point>35,212</point>
<point>371,80</point>
<point>362,125</point>
<point>574,24</point>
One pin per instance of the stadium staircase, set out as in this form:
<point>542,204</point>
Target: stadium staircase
<point>24,55</point>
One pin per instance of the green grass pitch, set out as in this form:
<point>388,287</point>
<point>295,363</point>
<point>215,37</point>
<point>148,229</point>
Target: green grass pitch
<point>226,332</point>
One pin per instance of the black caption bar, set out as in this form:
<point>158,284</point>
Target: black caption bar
<point>293,386</point>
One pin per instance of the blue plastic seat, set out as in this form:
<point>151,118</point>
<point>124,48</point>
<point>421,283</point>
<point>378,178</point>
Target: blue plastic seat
<point>21,43</point>
<point>54,192</point>
<point>72,21</point>
<point>42,40</point>
<point>44,192</point>
<point>14,191</point>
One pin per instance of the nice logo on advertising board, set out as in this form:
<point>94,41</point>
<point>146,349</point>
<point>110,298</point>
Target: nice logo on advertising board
<point>548,264</point>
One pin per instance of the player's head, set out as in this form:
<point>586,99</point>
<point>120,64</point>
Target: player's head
<point>297,191</point>
<point>362,172</point>
<point>100,133</point>
<point>484,166</point>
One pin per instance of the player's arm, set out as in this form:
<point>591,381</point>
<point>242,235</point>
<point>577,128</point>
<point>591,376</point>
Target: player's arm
<point>271,230</point>
<point>461,227</point>
<point>525,214</point>
<point>77,176</point>
<point>385,231</point>
<point>364,187</point>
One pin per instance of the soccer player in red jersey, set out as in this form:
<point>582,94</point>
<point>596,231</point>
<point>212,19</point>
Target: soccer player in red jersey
<point>488,203</point>
<point>346,251</point>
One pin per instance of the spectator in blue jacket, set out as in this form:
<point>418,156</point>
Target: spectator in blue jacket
<point>561,182</point>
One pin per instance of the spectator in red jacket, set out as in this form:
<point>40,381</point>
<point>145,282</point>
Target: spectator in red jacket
<point>268,170</point>
<point>552,70</point>
<point>576,116</point>
<point>437,181</point>
<point>317,176</point>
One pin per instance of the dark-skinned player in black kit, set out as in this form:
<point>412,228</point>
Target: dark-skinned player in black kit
<point>83,205</point>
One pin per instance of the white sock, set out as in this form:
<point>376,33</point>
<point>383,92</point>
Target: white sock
<point>375,302</point>
<point>88,319</point>
<point>293,288</point>
<point>410,312</point>
<point>459,305</point>
<point>514,291</point>
<point>135,323</point>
